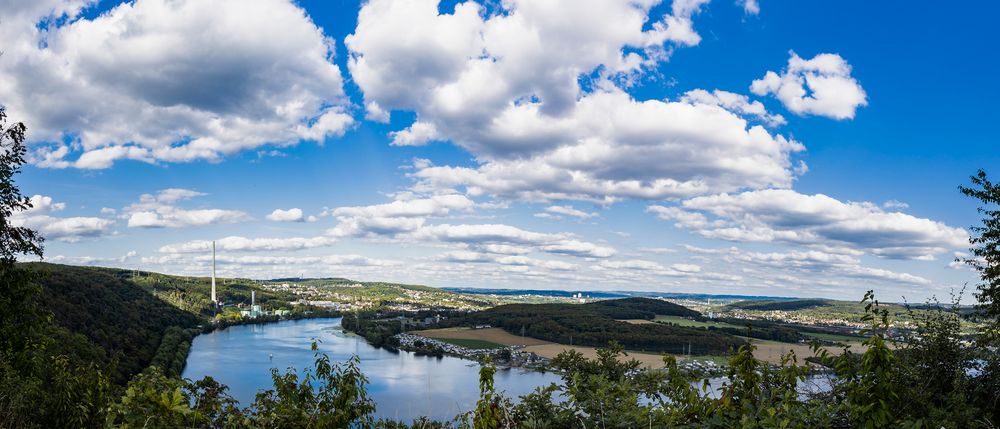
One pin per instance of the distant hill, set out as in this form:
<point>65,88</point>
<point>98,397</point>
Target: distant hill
<point>784,305</point>
<point>594,325</point>
<point>116,316</point>
<point>640,308</point>
<point>538,292</point>
<point>611,294</point>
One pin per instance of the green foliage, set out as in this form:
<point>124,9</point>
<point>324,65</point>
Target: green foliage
<point>171,356</point>
<point>985,248</point>
<point>379,333</point>
<point>125,321</point>
<point>639,308</point>
<point>48,377</point>
<point>14,240</point>
<point>332,395</point>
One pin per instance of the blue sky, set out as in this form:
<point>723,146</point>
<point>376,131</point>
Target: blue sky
<point>792,148</point>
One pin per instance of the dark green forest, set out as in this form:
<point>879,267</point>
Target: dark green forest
<point>124,321</point>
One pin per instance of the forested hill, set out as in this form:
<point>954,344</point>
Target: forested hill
<point>594,324</point>
<point>782,305</point>
<point>640,308</point>
<point>118,318</point>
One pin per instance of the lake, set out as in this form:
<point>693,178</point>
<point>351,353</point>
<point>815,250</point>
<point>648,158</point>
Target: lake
<point>404,386</point>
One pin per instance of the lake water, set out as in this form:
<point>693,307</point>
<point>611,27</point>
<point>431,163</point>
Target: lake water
<point>404,386</point>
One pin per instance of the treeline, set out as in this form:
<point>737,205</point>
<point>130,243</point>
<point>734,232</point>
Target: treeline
<point>639,308</point>
<point>378,332</point>
<point>593,325</point>
<point>171,356</point>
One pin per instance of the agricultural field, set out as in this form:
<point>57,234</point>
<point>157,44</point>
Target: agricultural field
<point>472,344</point>
<point>683,321</point>
<point>771,351</point>
<point>489,335</point>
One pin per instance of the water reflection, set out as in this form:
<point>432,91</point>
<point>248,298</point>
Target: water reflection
<point>404,386</point>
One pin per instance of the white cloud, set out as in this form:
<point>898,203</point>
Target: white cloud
<point>463,257</point>
<point>613,147</point>
<point>751,7</point>
<point>506,87</point>
<point>417,134</point>
<point>683,218</point>
<point>69,229</point>
<point>290,215</point>
<point>558,211</point>
<point>159,211</point>
<point>778,215</point>
<point>174,81</point>
<point>894,204</point>
<point>407,219</point>
<point>813,263</point>
<point>243,244</point>
<point>821,86</point>
<point>399,216</point>
<point>737,103</point>
<point>673,270</point>
<point>482,234</point>
<point>334,260</point>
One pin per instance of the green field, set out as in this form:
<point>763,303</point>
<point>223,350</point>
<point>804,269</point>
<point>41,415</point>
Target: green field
<point>683,321</point>
<point>471,344</point>
<point>832,337</point>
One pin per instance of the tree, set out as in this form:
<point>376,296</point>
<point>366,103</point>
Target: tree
<point>985,243</point>
<point>14,240</point>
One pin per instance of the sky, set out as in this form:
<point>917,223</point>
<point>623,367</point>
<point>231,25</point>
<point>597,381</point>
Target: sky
<point>809,149</point>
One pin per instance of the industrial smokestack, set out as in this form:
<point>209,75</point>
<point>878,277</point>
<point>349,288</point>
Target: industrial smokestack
<point>253,295</point>
<point>214,300</point>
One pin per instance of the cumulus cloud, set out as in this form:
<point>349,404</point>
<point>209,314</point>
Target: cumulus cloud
<point>407,219</point>
<point>418,134</point>
<point>174,81</point>
<point>399,216</point>
<point>243,244</point>
<point>781,215</point>
<point>751,7</point>
<point>70,229</point>
<point>734,102</point>
<point>290,215</point>
<point>464,257</point>
<point>557,212</point>
<point>820,86</point>
<point>160,211</point>
<point>807,264</point>
<point>506,87</point>
<point>482,234</point>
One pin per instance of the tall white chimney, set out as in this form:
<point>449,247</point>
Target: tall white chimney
<point>213,273</point>
<point>253,295</point>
